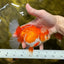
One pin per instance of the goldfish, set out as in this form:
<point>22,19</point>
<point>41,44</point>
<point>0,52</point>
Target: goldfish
<point>32,35</point>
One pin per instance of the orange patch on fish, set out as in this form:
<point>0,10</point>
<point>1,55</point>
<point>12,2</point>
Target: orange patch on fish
<point>30,34</point>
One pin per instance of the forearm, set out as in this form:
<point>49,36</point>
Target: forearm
<point>60,24</point>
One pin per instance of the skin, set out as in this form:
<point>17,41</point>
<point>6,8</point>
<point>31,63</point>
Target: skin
<point>42,18</point>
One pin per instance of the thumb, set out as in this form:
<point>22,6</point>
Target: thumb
<point>32,11</point>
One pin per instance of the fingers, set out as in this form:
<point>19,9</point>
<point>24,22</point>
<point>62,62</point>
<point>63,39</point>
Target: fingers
<point>46,18</point>
<point>32,11</point>
<point>41,47</point>
<point>23,45</point>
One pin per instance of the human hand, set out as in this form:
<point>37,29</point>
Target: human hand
<point>42,18</point>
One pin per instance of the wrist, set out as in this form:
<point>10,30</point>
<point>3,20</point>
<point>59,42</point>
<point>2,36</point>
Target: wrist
<point>53,29</point>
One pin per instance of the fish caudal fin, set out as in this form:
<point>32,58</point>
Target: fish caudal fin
<point>13,41</point>
<point>31,49</point>
<point>58,36</point>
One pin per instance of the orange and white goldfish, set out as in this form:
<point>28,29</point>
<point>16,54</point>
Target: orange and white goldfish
<point>31,35</point>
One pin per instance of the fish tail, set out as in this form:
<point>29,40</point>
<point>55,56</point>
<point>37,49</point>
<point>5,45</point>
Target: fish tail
<point>58,36</point>
<point>31,49</point>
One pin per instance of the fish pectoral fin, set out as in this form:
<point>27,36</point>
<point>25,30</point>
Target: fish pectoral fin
<point>31,49</point>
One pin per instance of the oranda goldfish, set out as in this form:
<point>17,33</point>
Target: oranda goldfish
<point>32,35</point>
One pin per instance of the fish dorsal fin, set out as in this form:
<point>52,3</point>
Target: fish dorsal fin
<point>25,26</point>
